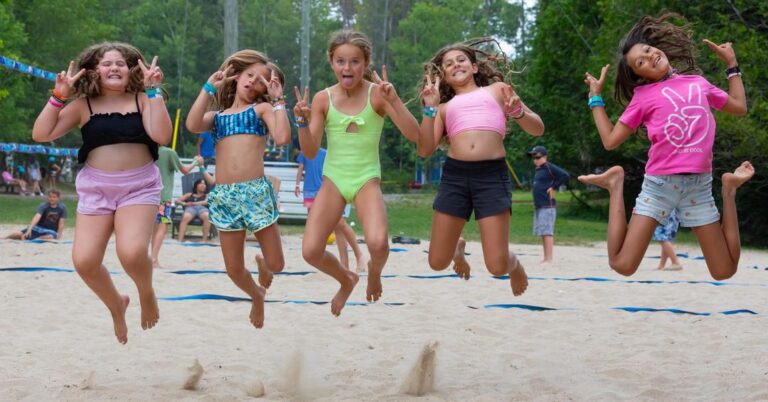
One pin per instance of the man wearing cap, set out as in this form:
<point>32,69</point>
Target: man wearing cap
<point>546,180</point>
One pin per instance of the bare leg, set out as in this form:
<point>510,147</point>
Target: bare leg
<point>273,260</point>
<point>665,245</point>
<point>627,244</point>
<point>157,241</point>
<point>350,237</point>
<point>15,236</point>
<point>460,264</point>
<point>549,246</point>
<point>233,249</point>
<point>323,217</point>
<point>444,241</point>
<point>133,231</point>
<point>373,217</point>
<point>341,244</point>
<point>92,233</point>
<point>206,226</point>
<point>185,219</point>
<point>494,236</point>
<point>721,244</point>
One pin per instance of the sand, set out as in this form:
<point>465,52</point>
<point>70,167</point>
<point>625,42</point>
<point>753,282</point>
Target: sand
<point>443,344</point>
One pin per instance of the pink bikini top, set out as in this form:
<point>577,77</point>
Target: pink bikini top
<point>476,110</point>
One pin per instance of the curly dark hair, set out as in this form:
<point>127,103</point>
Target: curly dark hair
<point>88,84</point>
<point>492,64</point>
<point>660,32</point>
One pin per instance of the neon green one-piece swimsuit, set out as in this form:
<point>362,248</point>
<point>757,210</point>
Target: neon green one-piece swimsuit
<point>353,158</point>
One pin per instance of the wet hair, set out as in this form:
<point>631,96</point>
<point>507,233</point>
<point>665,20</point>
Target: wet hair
<point>239,61</point>
<point>354,38</point>
<point>88,84</point>
<point>492,64</point>
<point>196,183</point>
<point>674,40</point>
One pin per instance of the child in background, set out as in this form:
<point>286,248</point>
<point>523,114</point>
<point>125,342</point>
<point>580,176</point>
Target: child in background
<point>665,235</point>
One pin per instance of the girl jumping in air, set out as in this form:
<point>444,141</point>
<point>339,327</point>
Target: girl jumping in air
<point>243,198</point>
<point>352,113</point>
<point>119,107</point>
<point>675,107</point>
<point>468,102</point>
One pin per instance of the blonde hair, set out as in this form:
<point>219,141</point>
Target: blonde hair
<point>239,62</point>
<point>354,38</point>
<point>88,84</point>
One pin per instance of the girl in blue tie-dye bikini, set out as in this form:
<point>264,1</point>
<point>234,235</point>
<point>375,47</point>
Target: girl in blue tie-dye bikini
<point>243,198</point>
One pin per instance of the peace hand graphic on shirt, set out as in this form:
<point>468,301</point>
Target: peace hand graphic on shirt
<point>688,125</point>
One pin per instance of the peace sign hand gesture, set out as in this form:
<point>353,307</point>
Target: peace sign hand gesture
<point>302,103</point>
<point>431,91</point>
<point>513,106</point>
<point>153,76</point>
<point>596,85</point>
<point>65,81</point>
<point>725,52</point>
<point>385,88</point>
<point>218,78</point>
<point>274,87</point>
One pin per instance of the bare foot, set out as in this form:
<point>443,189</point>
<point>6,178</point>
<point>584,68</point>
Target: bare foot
<point>150,313</point>
<point>612,179</point>
<point>373,291</point>
<point>265,275</point>
<point>460,264</point>
<point>545,262</point>
<point>118,319</point>
<point>518,279</point>
<point>156,264</point>
<point>257,308</point>
<point>344,292</point>
<point>742,174</point>
<point>362,262</point>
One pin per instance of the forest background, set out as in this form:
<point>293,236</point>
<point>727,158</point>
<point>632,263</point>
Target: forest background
<point>551,43</point>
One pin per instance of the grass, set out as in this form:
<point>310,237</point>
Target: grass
<point>408,215</point>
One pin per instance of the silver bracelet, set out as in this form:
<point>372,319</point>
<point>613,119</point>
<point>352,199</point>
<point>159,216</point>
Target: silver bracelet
<point>277,107</point>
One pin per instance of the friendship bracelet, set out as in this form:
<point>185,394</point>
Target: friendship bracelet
<point>302,125</point>
<point>517,113</point>
<point>430,111</point>
<point>301,119</point>
<point>209,88</point>
<point>55,103</point>
<point>595,100</point>
<point>56,98</point>
<point>521,115</point>
<point>278,99</point>
<point>733,72</point>
<point>59,96</point>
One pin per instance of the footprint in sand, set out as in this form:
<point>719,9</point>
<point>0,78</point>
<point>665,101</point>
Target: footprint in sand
<point>421,378</point>
<point>195,373</point>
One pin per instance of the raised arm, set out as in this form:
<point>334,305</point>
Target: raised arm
<point>55,119</point>
<point>276,116</point>
<point>310,121</point>
<point>199,119</point>
<point>155,116</point>
<point>737,98</point>
<point>611,136</point>
<point>514,107</point>
<point>431,128</point>
<point>394,106</point>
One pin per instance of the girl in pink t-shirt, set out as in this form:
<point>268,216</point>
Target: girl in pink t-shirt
<point>676,112</point>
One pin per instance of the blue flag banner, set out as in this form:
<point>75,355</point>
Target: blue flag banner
<point>26,69</point>
<point>37,149</point>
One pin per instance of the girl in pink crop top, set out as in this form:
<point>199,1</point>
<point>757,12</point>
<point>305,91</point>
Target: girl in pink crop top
<point>469,97</point>
<point>475,111</point>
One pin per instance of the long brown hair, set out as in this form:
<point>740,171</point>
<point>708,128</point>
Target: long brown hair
<point>492,64</point>
<point>239,61</point>
<point>88,84</point>
<point>674,40</point>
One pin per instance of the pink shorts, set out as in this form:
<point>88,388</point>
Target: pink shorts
<point>103,192</point>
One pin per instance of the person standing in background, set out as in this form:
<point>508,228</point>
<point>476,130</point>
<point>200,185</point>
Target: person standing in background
<point>547,179</point>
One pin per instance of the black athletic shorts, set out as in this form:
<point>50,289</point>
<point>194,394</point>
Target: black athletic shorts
<point>482,186</point>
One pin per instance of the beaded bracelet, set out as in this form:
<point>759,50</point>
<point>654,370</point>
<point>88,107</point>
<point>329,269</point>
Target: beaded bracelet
<point>430,111</point>
<point>278,99</point>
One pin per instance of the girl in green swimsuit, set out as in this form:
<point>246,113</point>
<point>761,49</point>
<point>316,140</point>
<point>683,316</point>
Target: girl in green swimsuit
<point>352,113</point>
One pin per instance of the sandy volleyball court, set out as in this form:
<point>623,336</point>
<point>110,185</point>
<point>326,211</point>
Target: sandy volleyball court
<point>443,340</point>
